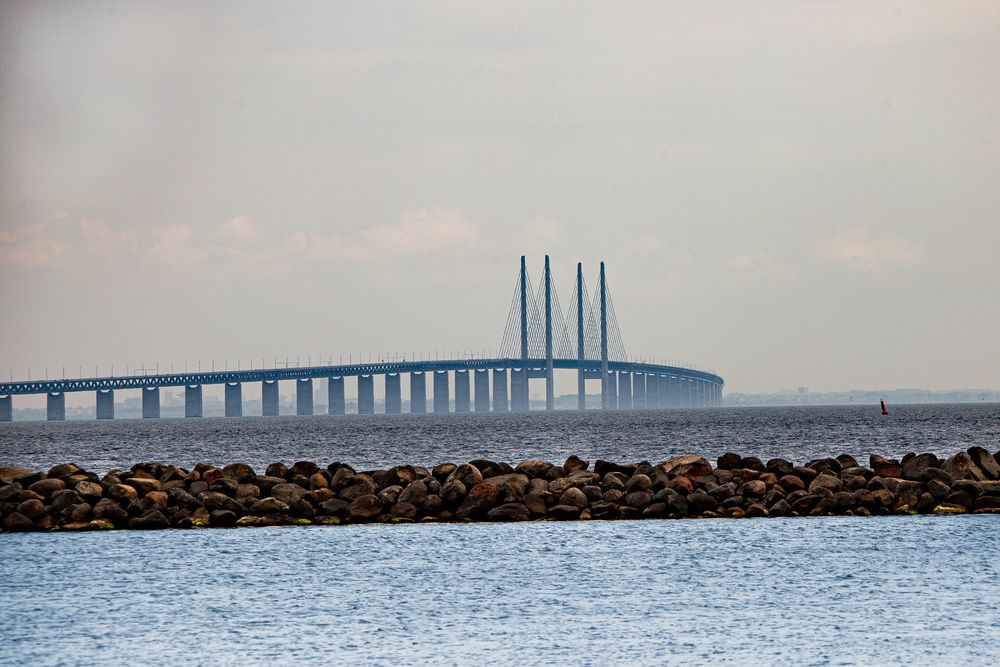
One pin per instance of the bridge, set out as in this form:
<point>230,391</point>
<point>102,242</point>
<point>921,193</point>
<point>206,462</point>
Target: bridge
<point>537,340</point>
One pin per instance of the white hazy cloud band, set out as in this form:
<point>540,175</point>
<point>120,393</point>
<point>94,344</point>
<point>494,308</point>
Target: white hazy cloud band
<point>61,242</point>
<point>859,248</point>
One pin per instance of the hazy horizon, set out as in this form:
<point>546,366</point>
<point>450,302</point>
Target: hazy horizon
<point>789,194</point>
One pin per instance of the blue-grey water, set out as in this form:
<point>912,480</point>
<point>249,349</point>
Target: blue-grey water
<point>823,591</point>
<point>796,433</point>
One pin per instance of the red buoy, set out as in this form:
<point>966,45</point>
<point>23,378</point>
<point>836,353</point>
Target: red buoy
<point>884,411</point>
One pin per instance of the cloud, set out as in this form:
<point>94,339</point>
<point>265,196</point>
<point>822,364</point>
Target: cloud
<point>420,231</point>
<point>240,229</point>
<point>236,242</point>
<point>541,233</point>
<point>859,248</point>
<point>759,266</point>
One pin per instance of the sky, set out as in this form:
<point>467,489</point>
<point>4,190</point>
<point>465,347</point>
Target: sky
<point>790,193</point>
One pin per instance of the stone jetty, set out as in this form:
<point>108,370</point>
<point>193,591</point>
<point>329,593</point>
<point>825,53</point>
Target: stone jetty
<point>157,495</point>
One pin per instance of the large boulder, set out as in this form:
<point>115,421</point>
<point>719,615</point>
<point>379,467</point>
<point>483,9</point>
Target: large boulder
<point>509,512</point>
<point>9,473</point>
<point>884,467</point>
<point>467,474</point>
<point>689,465</point>
<point>826,481</point>
<point>985,462</point>
<point>961,466</point>
<point>89,491</point>
<point>483,497</point>
<point>365,508</point>
<point>17,521</point>
<point>155,520</point>
<point>915,467</point>
<point>46,487</point>
<point>269,506</point>
<point>63,470</point>
<point>573,496</point>
<point>534,468</point>
<point>241,473</point>
<point>219,501</point>
<point>288,493</point>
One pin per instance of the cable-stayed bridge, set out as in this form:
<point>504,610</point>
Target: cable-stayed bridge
<point>537,340</point>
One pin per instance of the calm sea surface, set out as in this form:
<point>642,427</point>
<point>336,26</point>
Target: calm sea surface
<point>824,591</point>
<point>798,434</point>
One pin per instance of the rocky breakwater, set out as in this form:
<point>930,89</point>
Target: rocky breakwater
<point>156,495</point>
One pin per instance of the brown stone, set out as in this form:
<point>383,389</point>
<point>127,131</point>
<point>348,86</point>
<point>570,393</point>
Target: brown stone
<point>241,473</point>
<point>46,487</point>
<point>689,465</point>
<point>479,501</point>
<point>365,508</point>
<point>574,463</point>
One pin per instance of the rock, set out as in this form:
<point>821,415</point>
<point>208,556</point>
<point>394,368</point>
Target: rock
<point>677,505</point>
<point>46,487</point>
<point>276,470</point>
<point>756,510</point>
<point>926,503</point>
<point>210,474</point>
<point>535,502</point>
<point>780,508</point>
<point>639,500</point>
<point>985,462</point>
<point>143,485</point>
<point>106,508</point>
<point>64,498</point>
<point>122,493</point>
<point>792,483</point>
<point>946,508</point>
<point>987,502</point>
<point>491,468</point>
<point>273,506</point>
<point>655,511</point>
<point>89,491</point>
<point>961,466</point>
<point>938,489</point>
<point>699,501</point>
<point>689,465</point>
<point>441,472</point>
<point>241,473</point>
<point>914,467</point>
<point>218,501</point>
<point>9,492</point>
<point>31,508</point>
<point>807,475</point>
<point>224,485</point>
<point>479,501</point>
<point>9,473</point>
<point>333,507</point>
<point>564,512</point>
<point>826,481</point>
<point>155,520</point>
<point>574,463</point>
<point>81,512</point>
<point>453,492</point>
<point>779,467</point>
<point>681,485</point>
<point>730,461</point>
<point>753,463</point>
<point>223,519</point>
<point>388,495</point>
<point>467,474</point>
<point>304,468</point>
<point>509,512</point>
<point>514,485</point>
<point>15,521</point>
<point>573,496</point>
<point>533,468</point>
<point>302,508</point>
<point>884,467</point>
<point>287,493</point>
<point>247,491</point>
<point>638,482</point>
<point>364,508</point>
<point>415,493</point>
<point>63,470</point>
<point>754,489</point>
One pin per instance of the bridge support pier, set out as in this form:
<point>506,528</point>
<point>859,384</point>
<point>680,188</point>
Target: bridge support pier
<point>482,387</point>
<point>462,391</point>
<point>624,390</point>
<point>105,404</point>
<point>682,400</point>
<point>500,395</point>
<point>418,393</point>
<point>268,398</point>
<point>671,392</point>
<point>611,384</point>
<point>6,408</point>
<point>192,400</point>
<point>366,394</point>
<point>653,391</point>
<point>519,389</point>
<point>638,391</point>
<point>55,406</point>
<point>234,399</point>
<point>150,402</point>
<point>393,394</point>
<point>304,397</point>
<point>335,403</point>
<point>441,392</point>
